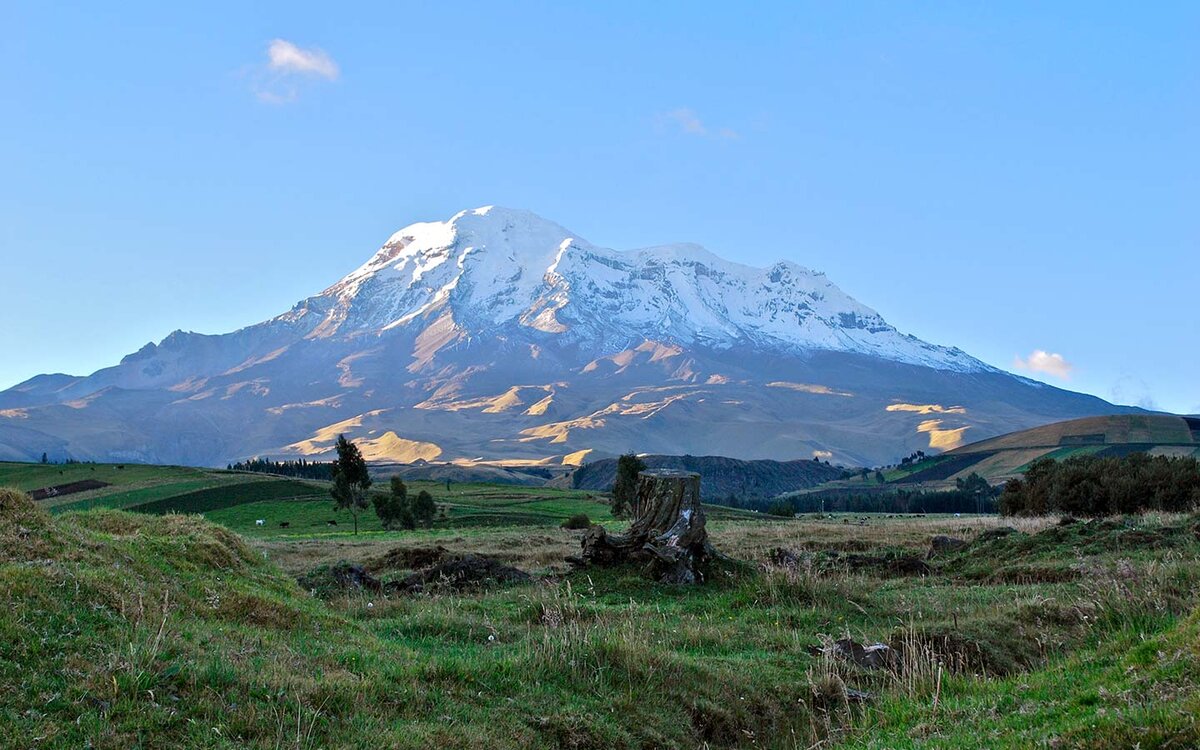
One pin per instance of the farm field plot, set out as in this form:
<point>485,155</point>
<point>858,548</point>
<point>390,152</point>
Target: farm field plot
<point>126,485</point>
<point>462,507</point>
<point>29,477</point>
<point>1141,429</point>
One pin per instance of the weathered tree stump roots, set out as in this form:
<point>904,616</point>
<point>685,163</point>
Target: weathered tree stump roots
<point>667,533</point>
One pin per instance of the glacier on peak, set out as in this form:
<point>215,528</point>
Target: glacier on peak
<point>497,268</point>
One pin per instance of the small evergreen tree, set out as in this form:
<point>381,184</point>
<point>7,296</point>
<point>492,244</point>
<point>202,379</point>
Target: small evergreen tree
<point>624,490</point>
<point>351,480</point>
<point>424,509</point>
<point>393,508</point>
<point>45,459</point>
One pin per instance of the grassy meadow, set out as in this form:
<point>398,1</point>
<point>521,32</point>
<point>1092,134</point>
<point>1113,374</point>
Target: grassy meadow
<point>129,626</point>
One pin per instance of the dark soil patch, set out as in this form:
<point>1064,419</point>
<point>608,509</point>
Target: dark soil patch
<point>407,558</point>
<point>435,567</point>
<point>70,488</point>
<point>341,577</point>
<point>887,564</point>
<point>459,573</point>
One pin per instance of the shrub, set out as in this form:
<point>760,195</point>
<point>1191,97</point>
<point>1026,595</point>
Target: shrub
<point>577,521</point>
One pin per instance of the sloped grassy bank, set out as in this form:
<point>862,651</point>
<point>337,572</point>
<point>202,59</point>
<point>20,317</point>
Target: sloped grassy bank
<point>121,630</point>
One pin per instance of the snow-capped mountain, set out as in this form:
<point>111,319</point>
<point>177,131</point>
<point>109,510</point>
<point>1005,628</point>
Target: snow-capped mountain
<point>492,268</point>
<point>500,335</point>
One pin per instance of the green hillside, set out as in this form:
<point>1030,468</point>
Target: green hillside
<point>129,629</point>
<point>239,500</point>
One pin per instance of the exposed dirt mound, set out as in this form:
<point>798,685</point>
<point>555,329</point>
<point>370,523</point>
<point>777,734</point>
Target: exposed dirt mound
<point>887,564</point>
<point>341,577</point>
<point>833,560</point>
<point>69,488</point>
<point>943,543</point>
<point>460,573</point>
<point>434,566</point>
<point>407,558</point>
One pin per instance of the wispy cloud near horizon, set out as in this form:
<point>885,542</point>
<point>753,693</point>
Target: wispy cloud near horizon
<point>288,66</point>
<point>1047,363</point>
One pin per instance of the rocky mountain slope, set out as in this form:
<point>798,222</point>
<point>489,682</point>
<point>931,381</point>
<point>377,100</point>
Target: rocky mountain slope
<point>500,335</point>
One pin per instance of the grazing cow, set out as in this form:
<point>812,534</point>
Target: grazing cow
<point>284,524</point>
<point>259,522</point>
<point>331,523</point>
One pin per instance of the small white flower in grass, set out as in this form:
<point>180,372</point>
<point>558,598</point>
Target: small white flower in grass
<point>491,637</point>
<point>370,605</point>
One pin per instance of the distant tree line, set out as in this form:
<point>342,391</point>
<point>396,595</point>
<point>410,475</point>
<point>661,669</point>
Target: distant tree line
<point>1094,486</point>
<point>298,468</point>
<point>970,495</point>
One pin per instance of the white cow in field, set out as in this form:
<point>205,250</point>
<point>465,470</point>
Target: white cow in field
<point>260,522</point>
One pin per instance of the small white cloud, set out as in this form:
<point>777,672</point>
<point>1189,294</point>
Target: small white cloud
<point>287,68</point>
<point>284,56</point>
<point>823,455</point>
<point>1047,363</point>
<point>687,121</point>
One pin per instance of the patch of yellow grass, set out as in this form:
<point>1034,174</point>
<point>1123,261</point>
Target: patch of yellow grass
<point>820,390</point>
<point>576,458</point>
<point>939,438</point>
<point>391,447</point>
<point>928,408</point>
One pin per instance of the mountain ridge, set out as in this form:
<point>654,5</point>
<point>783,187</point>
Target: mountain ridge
<point>499,334</point>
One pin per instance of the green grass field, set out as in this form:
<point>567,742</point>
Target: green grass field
<point>239,499</point>
<point>127,629</point>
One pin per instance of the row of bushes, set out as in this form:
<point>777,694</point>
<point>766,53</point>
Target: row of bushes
<point>1094,486</point>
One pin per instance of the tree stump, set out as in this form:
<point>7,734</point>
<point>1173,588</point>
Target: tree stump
<point>667,532</point>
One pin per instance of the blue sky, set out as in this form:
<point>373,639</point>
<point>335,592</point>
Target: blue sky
<point>1004,177</point>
